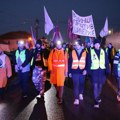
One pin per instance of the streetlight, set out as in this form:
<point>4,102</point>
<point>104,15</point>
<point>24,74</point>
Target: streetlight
<point>110,31</point>
<point>29,38</point>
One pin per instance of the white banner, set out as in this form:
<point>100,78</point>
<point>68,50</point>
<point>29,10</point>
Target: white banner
<point>83,26</point>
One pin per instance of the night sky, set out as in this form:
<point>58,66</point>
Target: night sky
<point>19,15</point>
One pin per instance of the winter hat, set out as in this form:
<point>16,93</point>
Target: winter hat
<point>97,41</point>
<point>39,42</point>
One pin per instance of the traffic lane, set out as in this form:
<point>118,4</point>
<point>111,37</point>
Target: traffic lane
<point>109,107</point>
<point>13,104</point>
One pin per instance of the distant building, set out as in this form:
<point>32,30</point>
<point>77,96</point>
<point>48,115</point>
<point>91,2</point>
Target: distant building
<point>8,41</point>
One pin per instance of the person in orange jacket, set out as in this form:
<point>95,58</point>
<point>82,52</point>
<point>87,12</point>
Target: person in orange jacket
<point>5,71</point>
<point>58,67</point>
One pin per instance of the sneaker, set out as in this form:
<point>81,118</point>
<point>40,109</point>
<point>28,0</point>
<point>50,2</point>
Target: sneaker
<point>81,96</point>
<point>96,105</point>
<point>76,102</point>
<point>41,98</point>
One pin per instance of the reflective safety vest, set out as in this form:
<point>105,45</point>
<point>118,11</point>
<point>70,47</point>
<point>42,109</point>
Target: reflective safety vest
<point>20,59</point>
<point>96,63</point>
<point>21,55</point>
<point>2,60</point>
<point>58,59</point>
<point>78,63</point>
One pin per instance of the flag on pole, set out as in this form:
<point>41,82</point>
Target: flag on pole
<point>104,32</point>
<point>33,37</point>
<point>48,22</point>
<point>57,35</point>
<point>71,36</point>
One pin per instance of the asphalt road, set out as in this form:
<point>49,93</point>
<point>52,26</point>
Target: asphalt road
<point>13,107</point>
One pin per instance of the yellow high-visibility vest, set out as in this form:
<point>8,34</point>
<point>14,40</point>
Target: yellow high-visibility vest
<point>96,63</point>
<point>21,55</point>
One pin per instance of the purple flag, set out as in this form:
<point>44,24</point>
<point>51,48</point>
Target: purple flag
<point>48,22</point>
<point>33,37</point>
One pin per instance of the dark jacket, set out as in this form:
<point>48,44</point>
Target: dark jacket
<point>43,53</point>
<point>98,75</point>
<point>111,53</point>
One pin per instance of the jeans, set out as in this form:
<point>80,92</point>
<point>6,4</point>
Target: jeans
<point>78,83</point>
<point>24,77</point>
<point>97,88</point>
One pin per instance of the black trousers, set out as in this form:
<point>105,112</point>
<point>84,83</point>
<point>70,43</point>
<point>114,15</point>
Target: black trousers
<point>2,91</point>
<point>24,77</point>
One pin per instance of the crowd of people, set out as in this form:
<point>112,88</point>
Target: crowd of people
<point>74,60</point>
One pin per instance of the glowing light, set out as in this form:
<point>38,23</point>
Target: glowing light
<point>21,42</point>
<point>110,31</point>
<point>76,43</point>
<point>29,38</point>
<point>59,42</point>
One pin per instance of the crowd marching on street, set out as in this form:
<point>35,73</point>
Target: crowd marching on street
<point>77,61</point>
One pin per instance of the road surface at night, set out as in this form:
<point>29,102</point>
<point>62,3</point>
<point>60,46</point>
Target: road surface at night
<point>12,107</point>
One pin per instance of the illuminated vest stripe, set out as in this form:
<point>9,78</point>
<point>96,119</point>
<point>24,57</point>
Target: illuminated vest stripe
<point>78,63</point>
<point>31,63</point>
<point>59,61</point>
<point>96,63</point>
